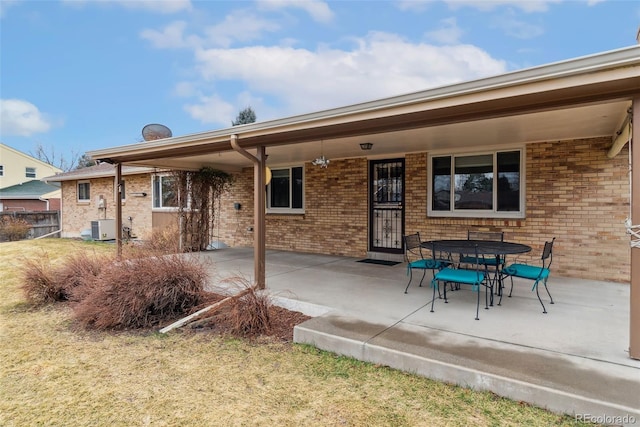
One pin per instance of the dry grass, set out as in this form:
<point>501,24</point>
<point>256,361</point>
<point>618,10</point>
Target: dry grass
<point>54,374</point>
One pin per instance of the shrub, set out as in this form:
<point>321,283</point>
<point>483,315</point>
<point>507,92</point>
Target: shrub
<point>144,292</point>
<point>162,241</point>
<point>43,283</point>
<point>13,229</point>
<point>39,284</point>
<point>78,274</point>
<point>249,313</point>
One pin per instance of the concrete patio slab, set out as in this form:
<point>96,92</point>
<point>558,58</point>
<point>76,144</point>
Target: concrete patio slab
<point>572,360</point>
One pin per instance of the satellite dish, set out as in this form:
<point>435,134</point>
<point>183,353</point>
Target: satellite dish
<point>155,131</point>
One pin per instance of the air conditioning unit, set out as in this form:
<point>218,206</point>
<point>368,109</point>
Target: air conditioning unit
<point>103,229</point>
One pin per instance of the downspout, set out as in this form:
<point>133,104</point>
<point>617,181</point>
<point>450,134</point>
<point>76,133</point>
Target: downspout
<point>118,188</point>
<point>259,208</point>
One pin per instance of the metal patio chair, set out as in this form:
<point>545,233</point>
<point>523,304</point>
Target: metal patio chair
<point>532,272</point>
<point>473,276</point>
<point>415,259</point>
<point>491,264</point>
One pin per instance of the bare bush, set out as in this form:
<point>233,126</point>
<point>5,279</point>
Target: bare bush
<point>39,284</point>
<point>162,241</point>
<point>78,274</point>
<point>144,292</point>
<point>13,229</point>
<point>44,283</point>
<point>249,313</point>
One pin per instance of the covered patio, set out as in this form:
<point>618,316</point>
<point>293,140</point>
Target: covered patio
<point>572,122</point>
<point>574,359</point>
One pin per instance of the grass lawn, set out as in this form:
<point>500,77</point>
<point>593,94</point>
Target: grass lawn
<point>55,374</point>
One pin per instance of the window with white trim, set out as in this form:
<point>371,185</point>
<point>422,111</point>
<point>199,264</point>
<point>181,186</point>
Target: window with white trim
<point>488,184</point>
<point>165,194</point>
<point>30,172</point>
<point>285,192</point>
<point>84,191</point>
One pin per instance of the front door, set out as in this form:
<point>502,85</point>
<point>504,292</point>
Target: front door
<point>386,213</point>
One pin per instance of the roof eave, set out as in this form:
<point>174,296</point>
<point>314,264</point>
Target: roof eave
<point>257,133</point>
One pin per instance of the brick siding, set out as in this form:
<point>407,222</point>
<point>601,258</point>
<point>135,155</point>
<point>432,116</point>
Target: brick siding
<point>574,193</point>
<point>77,216</point>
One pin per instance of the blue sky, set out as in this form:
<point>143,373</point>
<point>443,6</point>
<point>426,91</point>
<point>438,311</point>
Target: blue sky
<point>78,75</point>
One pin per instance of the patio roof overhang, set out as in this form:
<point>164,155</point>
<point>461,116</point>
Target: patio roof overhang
<point>586,97</point>
<point>580,98</point>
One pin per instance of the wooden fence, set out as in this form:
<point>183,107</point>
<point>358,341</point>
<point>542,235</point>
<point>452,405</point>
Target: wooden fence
<point>42,223</point>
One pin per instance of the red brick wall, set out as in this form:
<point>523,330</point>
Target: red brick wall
<point>24,205</point>
<point>574,192</point>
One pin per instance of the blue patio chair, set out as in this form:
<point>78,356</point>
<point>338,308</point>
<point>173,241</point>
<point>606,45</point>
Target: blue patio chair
<point>532,272</point>
<point>415,259</point>
<point>491,264</point>
<point>474,277</point>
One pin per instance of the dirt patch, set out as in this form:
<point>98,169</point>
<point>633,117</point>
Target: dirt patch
<point>221,322</point>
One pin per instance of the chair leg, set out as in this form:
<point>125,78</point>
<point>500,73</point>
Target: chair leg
<point>434,284</point>
<point>410,277</point>
<point>478,304</point>
<point>424,272</point>
<point>511,291</point>
<point>544,309</point>
<point>547,289</point>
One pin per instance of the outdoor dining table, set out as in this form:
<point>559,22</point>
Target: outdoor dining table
<point>494,248</point>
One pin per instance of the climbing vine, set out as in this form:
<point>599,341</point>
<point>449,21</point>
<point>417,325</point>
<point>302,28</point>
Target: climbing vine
<point>199,194</point>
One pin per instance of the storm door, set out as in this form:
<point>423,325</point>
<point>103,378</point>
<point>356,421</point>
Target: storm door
<point>386,216</point>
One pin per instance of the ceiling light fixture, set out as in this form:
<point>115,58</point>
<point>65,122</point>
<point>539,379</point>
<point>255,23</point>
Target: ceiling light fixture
<point>321,161</point>
<point>366,146</point>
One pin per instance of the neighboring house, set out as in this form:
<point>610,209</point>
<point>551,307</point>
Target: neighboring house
<point>20,186</point>
<point>89,194</point>
<point>31,195</point>
<point>17,167</point>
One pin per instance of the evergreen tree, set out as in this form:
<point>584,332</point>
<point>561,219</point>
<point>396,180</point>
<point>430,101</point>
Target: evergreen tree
<point>245,116</point>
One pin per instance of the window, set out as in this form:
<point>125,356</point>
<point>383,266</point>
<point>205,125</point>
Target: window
<point>30,172</point>
<point>84,191</point>
<point>285,192</point>
<point>1,170</point>
<point>479,185</point>
<point>164,192</point>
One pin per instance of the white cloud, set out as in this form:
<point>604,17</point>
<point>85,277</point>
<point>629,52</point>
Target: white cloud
<point>157,6</point>
<point>212,109</point>
<point>517,28</point>
<point>171,37</point>
<point>528,6</point>
<point>318,10</point>
<point>21,118</point>
<point>448,33</point>
<point>301,81</point>
<point>240,25</point>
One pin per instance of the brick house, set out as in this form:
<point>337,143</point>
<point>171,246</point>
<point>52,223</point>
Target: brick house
<point>555,135</point>
<point>20,186</point>
<point>547,148</point>
<point>33,195</point>
<point>89,194</point>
